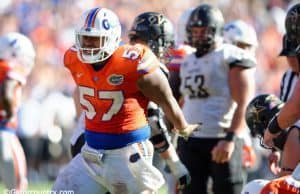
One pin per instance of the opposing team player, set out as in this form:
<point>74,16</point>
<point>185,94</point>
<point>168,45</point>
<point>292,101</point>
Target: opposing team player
<point>17,57</point>
<point>115,85</point>
<point>258,114</point>
<point>217,82</point>
<point>156,31</point>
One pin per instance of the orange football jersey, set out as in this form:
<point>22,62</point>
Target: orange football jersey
<point>283,185</point>
<point>7,71</point>
<point>110,96</point>
<point>178,55</point>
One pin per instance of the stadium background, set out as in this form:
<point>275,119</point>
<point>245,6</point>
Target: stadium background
<point>47,115</point>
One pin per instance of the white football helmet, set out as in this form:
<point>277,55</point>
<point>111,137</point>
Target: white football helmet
<point>19,48</point>
<point>181,26</point>
<point>254,187</point>
<point>240,31</point>
<point>102,23</point>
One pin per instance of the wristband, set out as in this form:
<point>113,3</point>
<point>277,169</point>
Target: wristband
<point>287,169</point>
<point>230,136</point>
<point>274,126</point>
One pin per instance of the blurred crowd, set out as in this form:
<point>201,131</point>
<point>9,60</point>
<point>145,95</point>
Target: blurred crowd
<point>47,115</point>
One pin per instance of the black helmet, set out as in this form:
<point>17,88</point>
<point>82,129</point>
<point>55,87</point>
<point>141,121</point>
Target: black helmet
<point>205,16</point>
<point>288,48</point>
<point>292,24</point>
<point>260,111</point>
<point>155,29</point>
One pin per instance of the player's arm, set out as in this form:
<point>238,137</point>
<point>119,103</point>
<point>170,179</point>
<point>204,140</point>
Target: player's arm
<point>288,115</point>
<point>10,92</point>
<point>290,112</point>
<point>161,142</point>
<point>242,88</point>
<point>77,102</point>
<point>174,80</point>
<point>156,88</point>
<point>291,152</point>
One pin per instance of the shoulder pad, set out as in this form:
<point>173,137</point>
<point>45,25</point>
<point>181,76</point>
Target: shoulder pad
<point>236,56</point>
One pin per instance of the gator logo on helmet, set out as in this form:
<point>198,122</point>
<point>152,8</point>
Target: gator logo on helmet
<point>115,79</point>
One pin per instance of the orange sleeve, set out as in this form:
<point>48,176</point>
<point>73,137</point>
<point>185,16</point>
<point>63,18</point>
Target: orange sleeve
<point>148,62</point>
<point>4,69</point>
<point>68,57</point>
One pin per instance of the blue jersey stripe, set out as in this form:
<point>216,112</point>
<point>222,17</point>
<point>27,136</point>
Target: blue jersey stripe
<point>7,129</point>
<point>107,141</point>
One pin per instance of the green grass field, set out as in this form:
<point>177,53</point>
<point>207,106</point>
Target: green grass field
<point>34,187</point>
<point>45,187</point>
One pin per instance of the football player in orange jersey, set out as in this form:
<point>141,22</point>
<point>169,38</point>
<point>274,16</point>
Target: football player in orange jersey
<point>213,96</point>
<point>115,85</point>
<point>289,184</point>
<point>16,62</point>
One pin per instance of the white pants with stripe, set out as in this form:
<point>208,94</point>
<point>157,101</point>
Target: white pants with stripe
<point>127,170</point>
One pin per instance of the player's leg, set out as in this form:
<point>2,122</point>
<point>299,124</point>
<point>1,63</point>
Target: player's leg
<point>12,161</point>
<point>74,177</point>
<point>126,170</point>
<point>195,155</point>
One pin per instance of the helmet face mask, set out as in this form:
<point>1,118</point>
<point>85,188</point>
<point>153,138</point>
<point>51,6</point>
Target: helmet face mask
<point>201,37</point>
<point>98,35</point>
<point>91,47</point>
<point>211,20</point>
<point>156,31</point>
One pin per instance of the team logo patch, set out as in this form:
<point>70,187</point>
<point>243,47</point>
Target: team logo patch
<point>115,79</point>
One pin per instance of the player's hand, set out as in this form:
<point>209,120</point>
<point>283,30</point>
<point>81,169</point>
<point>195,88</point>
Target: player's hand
<point>222,152</point>
<point>186,132</point>
<point>273,160</point>
<point>183,181</point>
<point>180,172</point>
